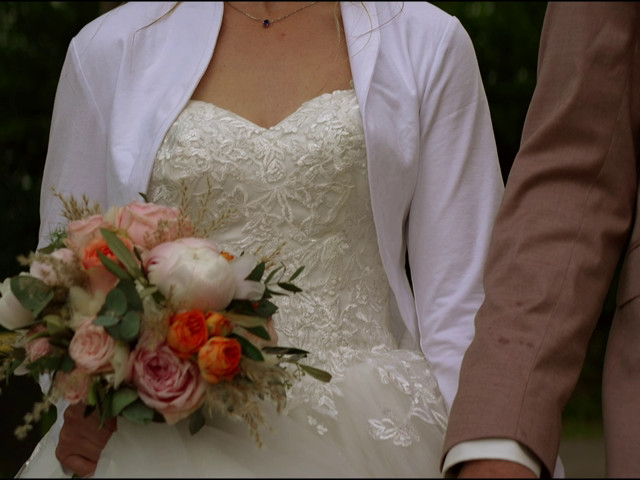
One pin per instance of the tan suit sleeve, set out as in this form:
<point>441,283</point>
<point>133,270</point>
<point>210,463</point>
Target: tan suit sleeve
<point>560,232</point>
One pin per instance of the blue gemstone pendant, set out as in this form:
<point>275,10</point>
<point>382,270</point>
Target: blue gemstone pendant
<point>266,23</point>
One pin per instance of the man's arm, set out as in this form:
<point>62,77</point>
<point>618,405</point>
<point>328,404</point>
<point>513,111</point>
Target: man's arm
<point>560,232</point>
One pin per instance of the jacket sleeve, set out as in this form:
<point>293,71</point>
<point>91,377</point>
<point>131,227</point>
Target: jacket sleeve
<point>77,152</point>
<point>457,193</point>
<point>559,234</point>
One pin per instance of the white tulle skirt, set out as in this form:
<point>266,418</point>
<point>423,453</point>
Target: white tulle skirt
<point>363,440</point>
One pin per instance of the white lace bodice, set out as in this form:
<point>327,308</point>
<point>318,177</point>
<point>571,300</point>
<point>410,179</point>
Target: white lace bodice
<point>301,188</point>
<point>301,184</point>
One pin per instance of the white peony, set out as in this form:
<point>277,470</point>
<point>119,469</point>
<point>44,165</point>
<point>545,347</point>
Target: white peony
<point>192,273</point>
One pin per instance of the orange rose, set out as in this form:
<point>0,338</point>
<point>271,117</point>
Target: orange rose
<point>187,333</point>
<point>219,325</point>
<point>219,359</point>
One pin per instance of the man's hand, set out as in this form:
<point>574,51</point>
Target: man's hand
<point>494,469</point>
<point>82,440</point>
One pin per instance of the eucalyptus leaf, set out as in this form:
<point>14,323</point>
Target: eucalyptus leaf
<point>316,373</point>
<point>130,326</point>
<point>114,331</point>
<point>121,399</point>
<point>138,412</point>
<point>116,302</point>
<point>31,292</point>
<point>196,421</point>
<point>106,320</point>
<point>248,348</point>
<point>128,287</point>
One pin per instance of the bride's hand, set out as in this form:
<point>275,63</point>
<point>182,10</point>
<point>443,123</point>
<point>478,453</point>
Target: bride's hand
<point>82,440</point>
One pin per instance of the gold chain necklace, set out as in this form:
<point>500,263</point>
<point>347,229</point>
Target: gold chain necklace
<point>266,22</point>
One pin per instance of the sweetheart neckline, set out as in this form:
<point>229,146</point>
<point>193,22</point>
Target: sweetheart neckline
<point>278,124</point>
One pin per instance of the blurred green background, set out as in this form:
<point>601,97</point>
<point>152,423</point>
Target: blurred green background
<point>33,40</point>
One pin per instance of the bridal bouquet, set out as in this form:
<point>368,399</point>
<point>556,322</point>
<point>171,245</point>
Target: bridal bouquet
<point>135,315</point>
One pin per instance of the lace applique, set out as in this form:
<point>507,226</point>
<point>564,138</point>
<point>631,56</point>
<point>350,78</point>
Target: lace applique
<point>301,187</point>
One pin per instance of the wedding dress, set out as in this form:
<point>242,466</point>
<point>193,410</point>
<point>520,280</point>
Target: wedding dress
<point>299,189</point>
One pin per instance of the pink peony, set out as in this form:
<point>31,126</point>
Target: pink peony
<point>171,385</point>
<point>92,348</point>
<point>193,273</point>
<point>147,224</point>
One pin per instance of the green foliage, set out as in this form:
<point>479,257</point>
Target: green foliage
<point>121,313</point>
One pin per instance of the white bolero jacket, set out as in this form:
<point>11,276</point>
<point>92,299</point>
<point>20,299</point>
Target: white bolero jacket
<point>434,175</point>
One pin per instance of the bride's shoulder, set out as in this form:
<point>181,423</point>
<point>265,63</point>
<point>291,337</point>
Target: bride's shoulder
<point>117,29</point>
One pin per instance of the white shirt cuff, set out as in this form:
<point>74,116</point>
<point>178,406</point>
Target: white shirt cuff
<point>490,448</point>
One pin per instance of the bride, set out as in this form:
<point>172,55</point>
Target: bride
<point>355,135</point>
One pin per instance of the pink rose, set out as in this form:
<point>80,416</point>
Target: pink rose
<point>192,273</point>
<point>148,224</point>
<point>73,386</point>
<point>58,271</point>
<point>81,232</point>
<point>38,347</point>
<point>169,384</point>
<point>92,348</point>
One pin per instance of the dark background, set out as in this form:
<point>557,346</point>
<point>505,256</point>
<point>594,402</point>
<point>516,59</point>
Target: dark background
<point>33,40</point>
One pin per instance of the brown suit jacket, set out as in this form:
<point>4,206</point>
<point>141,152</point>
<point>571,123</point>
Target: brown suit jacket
<point>567,218</point>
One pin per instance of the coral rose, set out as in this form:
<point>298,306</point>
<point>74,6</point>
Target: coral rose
<point>171,385</point>
<point>192,273</point>
<point>187,332</point>
<point>100,278</point>
<point>219,359</point>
